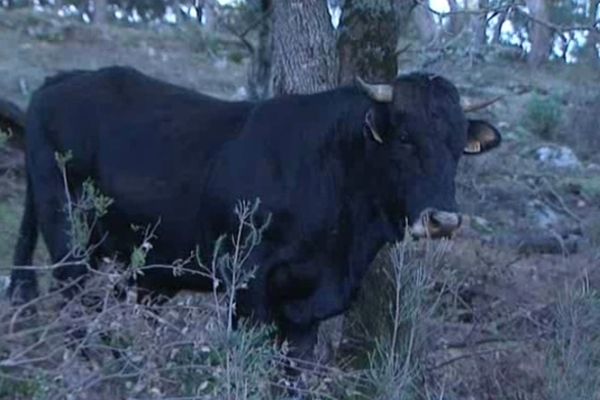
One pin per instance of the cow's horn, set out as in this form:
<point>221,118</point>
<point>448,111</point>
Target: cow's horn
<point>382,93</point>
<point>470,107</point>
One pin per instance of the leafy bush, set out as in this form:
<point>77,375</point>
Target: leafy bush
<point>543,116</point>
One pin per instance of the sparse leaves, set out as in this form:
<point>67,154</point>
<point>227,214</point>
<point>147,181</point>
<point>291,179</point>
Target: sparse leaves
<point>63,158</point>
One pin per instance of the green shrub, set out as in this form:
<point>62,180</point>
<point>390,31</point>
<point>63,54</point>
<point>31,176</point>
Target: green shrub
<point>396,301</point>
<point>543,116</point>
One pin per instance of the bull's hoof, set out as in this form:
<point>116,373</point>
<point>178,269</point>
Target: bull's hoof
<point>21,296</point>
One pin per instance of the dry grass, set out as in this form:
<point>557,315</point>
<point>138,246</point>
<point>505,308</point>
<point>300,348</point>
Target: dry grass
<point>187,349</point>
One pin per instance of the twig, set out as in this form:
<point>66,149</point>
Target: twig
<point>467,356</point>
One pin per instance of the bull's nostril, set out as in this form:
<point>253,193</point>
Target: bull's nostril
<point>446,221</point>
<point>433,222</point>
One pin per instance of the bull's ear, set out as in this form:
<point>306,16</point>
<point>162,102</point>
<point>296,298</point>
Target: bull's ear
<point>376,124</point>
<point>481,137</point>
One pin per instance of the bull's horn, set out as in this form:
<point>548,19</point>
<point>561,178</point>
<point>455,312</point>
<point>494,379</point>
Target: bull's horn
<point>470,107</point>
<point>381,93</point>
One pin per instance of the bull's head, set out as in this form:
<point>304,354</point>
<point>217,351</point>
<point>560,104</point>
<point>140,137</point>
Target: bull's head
<point>418,131</point>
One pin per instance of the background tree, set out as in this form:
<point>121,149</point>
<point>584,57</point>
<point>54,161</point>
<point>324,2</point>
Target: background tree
<point>100,11</point>
<point>259,74</point>
<point>425,24</point>
<point>540,34</point>
<point>478,24</point>
<point>504,8</point>
<point>304,58</point>
<point>364,50</point>
<point>457,18</point>
<point>209,11</point>
<point>593,42</point>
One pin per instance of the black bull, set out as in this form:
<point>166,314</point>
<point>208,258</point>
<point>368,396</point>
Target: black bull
<point>340,172</point>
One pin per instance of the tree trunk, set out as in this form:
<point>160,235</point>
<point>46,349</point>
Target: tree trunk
<point>100,12</point>
<point>479,24</point>
<point>199,7</point>
<point>497,35</point>
<point>371,54</point>
<point>259,74</point>
<point>304,61</point>
<point>457,21</point>
<point>541,36</point>
<point>425,23</point>
<point>209,11</point>
<point>590,51</point>
<point>364,51</point>
<point>304,47</point>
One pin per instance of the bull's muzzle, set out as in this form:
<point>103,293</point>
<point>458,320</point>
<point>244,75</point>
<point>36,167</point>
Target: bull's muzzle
<point>435,223</point>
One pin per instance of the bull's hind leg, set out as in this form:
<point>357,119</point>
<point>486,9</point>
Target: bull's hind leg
<point>52,202</point>
<point>23,281</point>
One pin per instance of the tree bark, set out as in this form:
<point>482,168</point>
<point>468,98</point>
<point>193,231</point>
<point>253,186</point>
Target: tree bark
<point>364,50</point>
<point>479,24</point>
<point>259,74</point>
<point>304,47</point>
<point>540,35</point>
<point>209,11</point>
<point>497,35</point>
<point>199,7</point>
<point>305,61</point>
<point>590,51</point>
<point>457,21</point>
<point>425,23</point>
<point>100,12</point>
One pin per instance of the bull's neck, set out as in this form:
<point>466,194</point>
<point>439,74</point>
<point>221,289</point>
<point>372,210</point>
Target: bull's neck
<point>370,228</point>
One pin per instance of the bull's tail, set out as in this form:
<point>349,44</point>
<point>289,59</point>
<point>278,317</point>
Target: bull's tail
<point>12,122</point>
<point>23,281</point>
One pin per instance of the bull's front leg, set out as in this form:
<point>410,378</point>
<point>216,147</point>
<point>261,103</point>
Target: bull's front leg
<point>302,340</point>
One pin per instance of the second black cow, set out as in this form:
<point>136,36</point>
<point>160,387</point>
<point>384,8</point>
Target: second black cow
<point>340,172</point>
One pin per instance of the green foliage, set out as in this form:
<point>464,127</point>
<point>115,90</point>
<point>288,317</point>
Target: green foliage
<point>230,364</point>
<point>395,302</point>
<point>237,365</point>
<point>236,57</point>
<point>568,12</point>
<point>90,206</point>
<point>63,159</point>
<point>138,257</point>
<point>35,388</point>
<point>94,200</point>
<point>84,211</point>
<point>588,186</point>
<point>15,389</point>
<point>543,116</point>
<point>229,265</point>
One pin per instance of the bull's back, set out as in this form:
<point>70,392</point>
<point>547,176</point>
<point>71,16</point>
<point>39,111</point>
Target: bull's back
<point>146,143</point>
<point>121,108</point>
